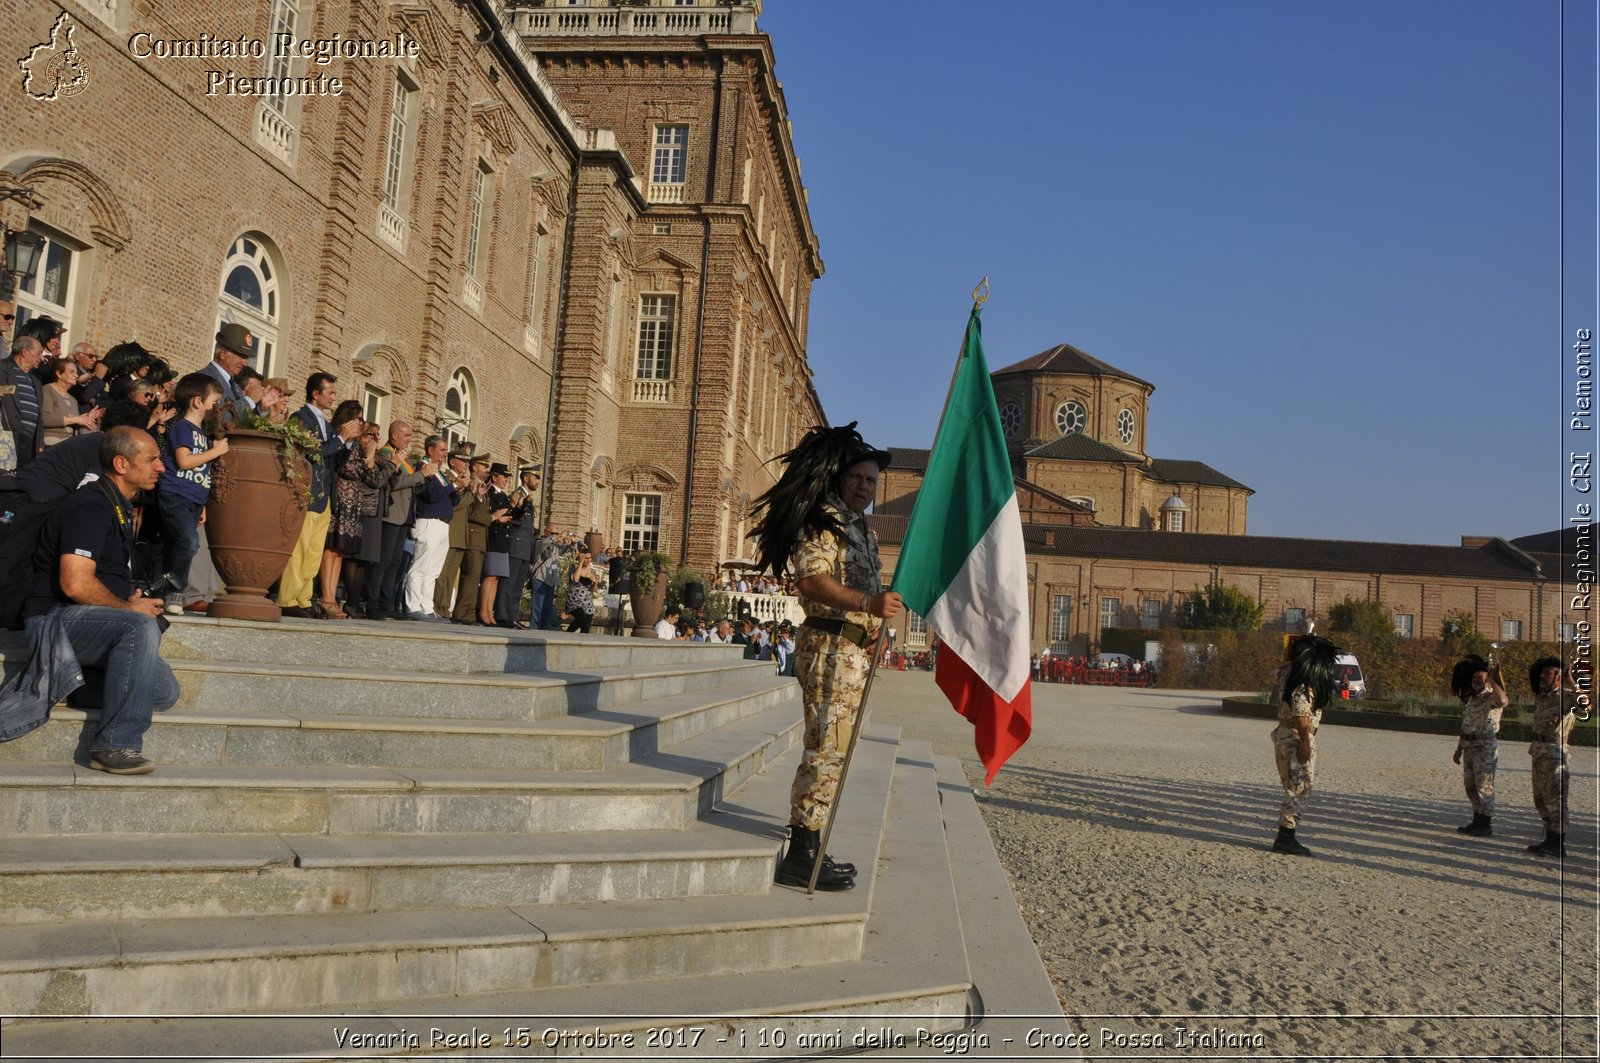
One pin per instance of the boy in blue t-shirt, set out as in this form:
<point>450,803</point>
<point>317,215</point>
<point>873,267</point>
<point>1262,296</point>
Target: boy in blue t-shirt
<point>182,491</point>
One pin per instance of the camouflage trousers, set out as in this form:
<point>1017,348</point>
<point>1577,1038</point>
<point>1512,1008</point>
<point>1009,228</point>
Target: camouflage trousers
<point>833,677</point>
<point>1479,757</point>
<point>1295,776</point>
<point>1550,791</point>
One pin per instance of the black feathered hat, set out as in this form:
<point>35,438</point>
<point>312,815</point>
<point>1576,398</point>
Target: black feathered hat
<point>1538,666</point>
<point>1461,675</point>
<point>1311,664</point>
<point>793,506</point>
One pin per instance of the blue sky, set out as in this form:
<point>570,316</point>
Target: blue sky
<point>1327,232</point>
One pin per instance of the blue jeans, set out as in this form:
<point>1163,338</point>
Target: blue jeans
<point>123,647</point>
<point>544,596</point>
<point>180,535</point>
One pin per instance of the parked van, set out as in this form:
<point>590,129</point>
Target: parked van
<point>1349,682</point>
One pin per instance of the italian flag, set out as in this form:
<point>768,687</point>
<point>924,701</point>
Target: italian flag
<point>964,569</point>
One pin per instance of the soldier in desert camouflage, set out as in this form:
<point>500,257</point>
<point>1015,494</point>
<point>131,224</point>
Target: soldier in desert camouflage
<point>1555,699</point>
<point>814,524</point>
<point>1483,699</point>
<point>1305,684</point>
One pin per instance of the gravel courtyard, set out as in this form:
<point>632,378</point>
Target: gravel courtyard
<point>1135,827</point>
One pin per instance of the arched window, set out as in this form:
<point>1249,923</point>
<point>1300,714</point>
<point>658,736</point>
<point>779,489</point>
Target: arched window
<point>249,297</point>
<point>455,423</point>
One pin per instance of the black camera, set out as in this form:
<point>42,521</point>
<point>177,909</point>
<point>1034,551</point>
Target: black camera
<point>160,587</point>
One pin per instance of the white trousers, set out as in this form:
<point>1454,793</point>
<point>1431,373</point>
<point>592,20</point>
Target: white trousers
<point>427,561</point>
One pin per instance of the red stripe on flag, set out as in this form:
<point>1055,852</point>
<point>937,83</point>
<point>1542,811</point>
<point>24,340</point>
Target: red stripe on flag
<point>998,727</point>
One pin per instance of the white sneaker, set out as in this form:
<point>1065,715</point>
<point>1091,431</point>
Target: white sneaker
<point>174,606</point>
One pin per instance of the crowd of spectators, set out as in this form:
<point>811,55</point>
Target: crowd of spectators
<point>1091,670</point>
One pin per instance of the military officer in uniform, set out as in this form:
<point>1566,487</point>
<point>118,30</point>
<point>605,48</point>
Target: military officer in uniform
<point>1555,697</point>
<point>813,524</point>
<point>1483,699</point>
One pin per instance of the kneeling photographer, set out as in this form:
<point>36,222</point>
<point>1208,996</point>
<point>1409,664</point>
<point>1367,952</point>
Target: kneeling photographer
<point>87,624</point>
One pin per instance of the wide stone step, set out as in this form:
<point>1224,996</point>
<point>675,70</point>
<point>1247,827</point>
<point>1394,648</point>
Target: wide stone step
<point>541,696</point>
<point>54,878</point>
<point>601,739</point>
<point>222,965</point>
<point>910,966</point>
<point>421,647</point>
<point>666,790</point>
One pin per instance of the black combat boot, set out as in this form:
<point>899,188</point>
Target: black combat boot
<point>1286,843</point>
<point>1479,827</point>
<point>795,870</point>
<point>827,858</point>
<point>1553,845</point>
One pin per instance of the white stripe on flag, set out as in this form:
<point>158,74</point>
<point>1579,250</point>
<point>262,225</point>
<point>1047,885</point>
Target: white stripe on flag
<point>983,613</point>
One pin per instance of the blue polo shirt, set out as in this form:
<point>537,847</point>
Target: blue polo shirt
<point>435,498</point>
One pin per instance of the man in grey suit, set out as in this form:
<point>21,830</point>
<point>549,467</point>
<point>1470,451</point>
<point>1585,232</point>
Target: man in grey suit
<point>397,479</point>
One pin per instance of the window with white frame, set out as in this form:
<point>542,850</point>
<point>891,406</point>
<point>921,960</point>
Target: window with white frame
<point>48,291</point>
<point>1510,630</point>
<point>374,404</point>
<point>669,164</point>
<point>280,61</point>
<point>1110,612</point>
<point>459,399</point>
<point>1060,619</point>
<point>1294,619</point>
<point>536,253</point>
<point>654,358</point>
<point>1566,632</point>
<point>916,629</point>
<point>1150,613</point>
<point>249,297</point>
<point>478,221</point>
<point>1404,624</point>
<point>393,211</point>
<point>641,522</point>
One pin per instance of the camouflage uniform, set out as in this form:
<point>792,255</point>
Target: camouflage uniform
<point>1480,746</point>
<point>1552,723</point>
<point>832,670</point>
<point>1296,776</point>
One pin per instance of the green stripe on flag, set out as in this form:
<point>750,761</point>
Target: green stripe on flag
<point>967,483</point>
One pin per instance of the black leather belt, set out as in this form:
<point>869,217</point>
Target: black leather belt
<point>843,628</point>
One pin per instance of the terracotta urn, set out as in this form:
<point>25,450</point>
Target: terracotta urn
<point>647,607</point>
<point>253,520</point>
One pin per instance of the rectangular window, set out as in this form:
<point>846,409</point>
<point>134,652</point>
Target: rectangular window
<point>1404,623</point>
<point>47,291</point>
<point>671,155</point>
<point>1150,613</point>
<point>1566,632</point>
<point>399,124</point>
<point>1060,618</point>
<point>916,629</point>
<point>1294,620</point>
<point>1110,612</point>
<point>478,222</point>
<point>1510,630</point>
<point>654,360</point>
<point>285,13</point>
<point>374,404</point>
<point>641,522</point>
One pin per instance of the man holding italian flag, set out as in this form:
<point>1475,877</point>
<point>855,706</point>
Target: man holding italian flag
<point>964,568</point>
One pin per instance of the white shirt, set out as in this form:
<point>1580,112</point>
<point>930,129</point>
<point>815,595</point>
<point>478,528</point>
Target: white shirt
<point>666,629</point>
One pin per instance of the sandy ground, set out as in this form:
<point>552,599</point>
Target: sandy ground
<point>1135,827</point>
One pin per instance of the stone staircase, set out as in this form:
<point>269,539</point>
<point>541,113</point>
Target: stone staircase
<point>390,840</point>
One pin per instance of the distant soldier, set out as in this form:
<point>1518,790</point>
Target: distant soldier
<point>1483,699</point>
<point>1305,684</point>
<point>1555,699</point>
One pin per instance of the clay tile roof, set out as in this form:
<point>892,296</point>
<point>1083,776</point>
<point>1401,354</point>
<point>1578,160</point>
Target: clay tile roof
<point>1079,447</point>
<point>1065,358</point>
<point>907,459</point>
<point>1175,471</point>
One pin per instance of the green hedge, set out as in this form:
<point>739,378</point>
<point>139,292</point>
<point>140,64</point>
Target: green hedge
<point>1418,717</point>
<point>1410,669</point>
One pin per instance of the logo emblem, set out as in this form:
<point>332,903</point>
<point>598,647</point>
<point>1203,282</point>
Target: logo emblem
<point>54,70</point>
